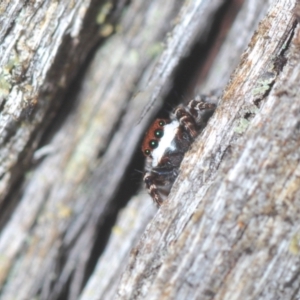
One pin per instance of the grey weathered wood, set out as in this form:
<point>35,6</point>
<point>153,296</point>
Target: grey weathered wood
<point>51,221</point>
<point>55,205</point>
<point>129,227</point>
<point>241,31</point>
<point>230,227</point>
<point>39,46</point>
<point>102,286</point>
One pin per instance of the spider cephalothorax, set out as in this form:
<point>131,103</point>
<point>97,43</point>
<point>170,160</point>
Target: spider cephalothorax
<point>166,142</point>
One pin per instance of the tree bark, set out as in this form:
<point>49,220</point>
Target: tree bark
<point>230,227</point>
<point>71,124</point>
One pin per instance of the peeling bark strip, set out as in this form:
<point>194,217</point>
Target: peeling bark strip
<point>230,229</point>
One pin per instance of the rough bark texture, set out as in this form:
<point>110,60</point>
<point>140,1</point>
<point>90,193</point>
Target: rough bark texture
<point>229,229</point>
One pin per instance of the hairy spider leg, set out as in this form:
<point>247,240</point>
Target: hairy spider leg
<point>149,180</point>
<point>201,110</point>
<point>186,120</point>
<point>159,181</point>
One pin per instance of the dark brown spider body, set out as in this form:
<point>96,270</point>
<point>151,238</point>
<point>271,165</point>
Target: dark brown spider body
<point>166,142</point>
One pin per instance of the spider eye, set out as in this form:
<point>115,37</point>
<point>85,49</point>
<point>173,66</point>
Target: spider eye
<point>153,144</point>
<point>158,133</point>
<point>147,152</point>
<point>161,123</point>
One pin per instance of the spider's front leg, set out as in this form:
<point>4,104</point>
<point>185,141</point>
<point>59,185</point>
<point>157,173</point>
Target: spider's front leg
<point>159,182</point>
<point>194,117</point>
<point>150,180</point>
<point>201,110</point>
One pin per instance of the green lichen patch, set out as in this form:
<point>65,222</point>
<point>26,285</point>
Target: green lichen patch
<point>264,84</point>
<point>104,13</point>
<point>294,246</point>
<point>155,49</point>
<point>5,86</point>
<point>247,114</point>
<point>242,126</point>
<point>11,64</point>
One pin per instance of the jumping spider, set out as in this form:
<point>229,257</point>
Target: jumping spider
<point>166,142</point>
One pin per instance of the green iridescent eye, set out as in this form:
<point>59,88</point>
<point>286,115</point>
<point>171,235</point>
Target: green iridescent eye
<point>158,133</point>
<point>153,144</point>
<point>162,123</point>
<point>147,152</point>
